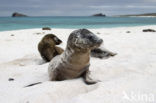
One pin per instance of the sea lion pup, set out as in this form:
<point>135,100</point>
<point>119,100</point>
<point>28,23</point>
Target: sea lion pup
<point>47,47</point>
<point>74,62</point>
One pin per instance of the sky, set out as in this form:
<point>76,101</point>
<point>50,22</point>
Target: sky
<point>76,7</point>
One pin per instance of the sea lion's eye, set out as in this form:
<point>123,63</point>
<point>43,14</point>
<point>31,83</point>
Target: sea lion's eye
<point>78,36</point>
<point>90,37</point>
<point>56,39</point>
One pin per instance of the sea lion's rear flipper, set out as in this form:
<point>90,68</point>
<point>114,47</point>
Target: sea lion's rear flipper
<point>102,53</point>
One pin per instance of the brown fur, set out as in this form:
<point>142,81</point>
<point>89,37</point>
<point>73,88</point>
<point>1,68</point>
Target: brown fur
<point>47,47</point>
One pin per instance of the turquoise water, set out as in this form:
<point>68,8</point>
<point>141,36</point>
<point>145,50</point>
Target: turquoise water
<point>9,23</point>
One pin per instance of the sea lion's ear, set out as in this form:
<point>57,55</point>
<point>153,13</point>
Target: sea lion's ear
<point>57,40</point>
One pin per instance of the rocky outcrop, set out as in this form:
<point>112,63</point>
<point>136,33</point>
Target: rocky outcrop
<point>18,15</point>
<point>148,30</point>
<point>100,14</point>
<point>139,15</point>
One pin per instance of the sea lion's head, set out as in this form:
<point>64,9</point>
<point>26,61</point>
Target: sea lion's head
<point>52,37</point>
<point>84,39</point>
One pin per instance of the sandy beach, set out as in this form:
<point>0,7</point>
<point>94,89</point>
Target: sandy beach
<point>129,77</point>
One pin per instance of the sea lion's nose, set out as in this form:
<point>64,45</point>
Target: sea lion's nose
<point>100,41</point>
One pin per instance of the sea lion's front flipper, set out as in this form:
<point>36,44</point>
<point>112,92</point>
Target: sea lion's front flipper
<point>102,53</point>
<point>87,79</point>
<point>59,50</point>
<point>108,53</point>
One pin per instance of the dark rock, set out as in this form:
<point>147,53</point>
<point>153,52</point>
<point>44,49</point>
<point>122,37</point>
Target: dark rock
<point>46,28</point>
<point>18,15</point>
<point>128,32</point>
<point>11,79</point>
<point>149,30</point>
<point>100,14</point>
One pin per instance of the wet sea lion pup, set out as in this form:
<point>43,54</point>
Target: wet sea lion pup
<point>74,62</point>
<point>47,47</point>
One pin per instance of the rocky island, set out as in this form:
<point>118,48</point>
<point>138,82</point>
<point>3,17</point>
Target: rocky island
<point>140,15</point>
<point>15,14</point>
<point>99,14</point>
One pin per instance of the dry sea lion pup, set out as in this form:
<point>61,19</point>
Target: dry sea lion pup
<point>74,62</point>
<point>47,47</point>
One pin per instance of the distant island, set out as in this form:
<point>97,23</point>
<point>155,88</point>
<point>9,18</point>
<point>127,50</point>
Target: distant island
<point>15,14</point>
<point>139,15</point>
<point>99,14</point>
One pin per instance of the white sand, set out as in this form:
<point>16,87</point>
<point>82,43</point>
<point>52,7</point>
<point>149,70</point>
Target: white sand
<point>129,77</point>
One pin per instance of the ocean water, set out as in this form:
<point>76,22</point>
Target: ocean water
<point>9,23</point>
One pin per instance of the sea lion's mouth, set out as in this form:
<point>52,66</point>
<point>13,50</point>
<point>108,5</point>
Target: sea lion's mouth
<point>99,42</point>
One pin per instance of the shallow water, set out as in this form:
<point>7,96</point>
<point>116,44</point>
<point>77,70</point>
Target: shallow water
<point>9,23</point>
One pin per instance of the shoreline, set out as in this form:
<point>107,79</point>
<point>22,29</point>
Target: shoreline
<point>141,26</point>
